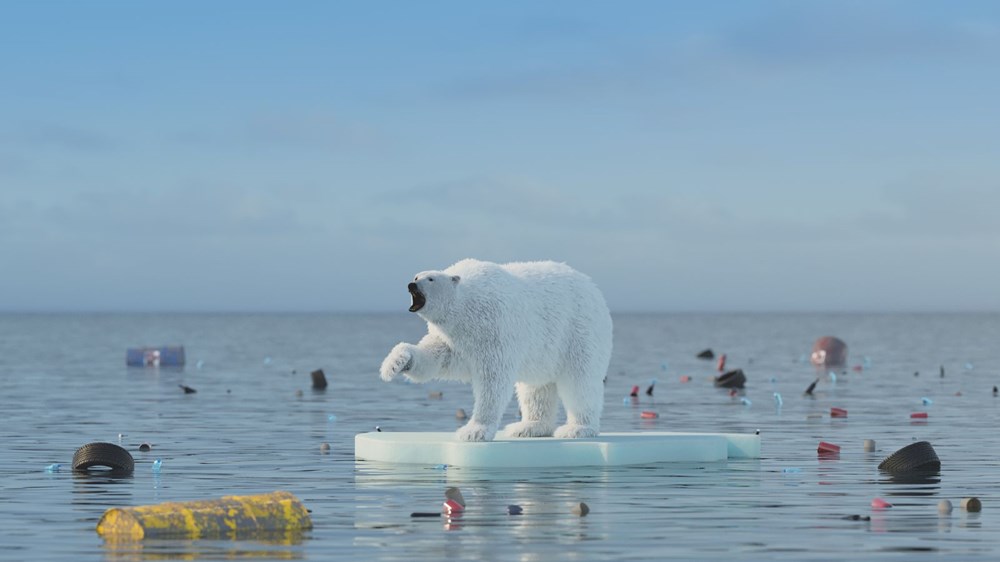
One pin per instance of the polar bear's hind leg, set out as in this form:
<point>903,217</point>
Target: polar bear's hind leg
<point>539,407</point>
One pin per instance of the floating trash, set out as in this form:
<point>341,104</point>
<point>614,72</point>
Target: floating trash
<point>649,415</point>
<point>440,467</point>
<point>455,494</point>
<point>425,514</point>
<point>721,365</point>
<point>664,366</point>
<point>435,395</point>
<point>915,457</point>
<point>145,448</point>
<point>732,379</point>
<point>968,366</point>
<point>686,378</point>
<point>927,401</point>
<point>833,377</point>
<point>746,401</point>
<point>857,368</point>
<point>857,517</point>
<point>514,510</point>
<point>581,509</point>
<point>944,507</point>
<point>867,362</point>
<point>869,445</point>
<point>811,387</point>
<point>649,391</point>
<point>814,416</point>
<point>971,504</point>
<point>879,503</point>
<point>626,400</point>
<point>298,393</point>
<point>331,418</point>
<point>918,416</point>
<point>324,448</point>
<point>802,358</point>
<point>120,436</point>
<point>778,400</point>
<point>706,354</point>
<point>942,371</point>
<point>157,465</point>
<point>187,389</point>
<point>171,355</point>
<point>104,454</point>
<point>838,413</point>
<point>635,391</point>
<point>318,379</point>
<point>54,467</point>
<point>460,414</point>
<point>791,470</point>
<point>825,447</point>
<point>452,507</point>
<point>995,391</point>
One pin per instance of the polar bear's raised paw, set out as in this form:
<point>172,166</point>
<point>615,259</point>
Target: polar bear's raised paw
<point>399,360</point>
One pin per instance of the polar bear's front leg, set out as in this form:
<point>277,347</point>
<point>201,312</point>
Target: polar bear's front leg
<point>491,391</point>
<point>429,359</point>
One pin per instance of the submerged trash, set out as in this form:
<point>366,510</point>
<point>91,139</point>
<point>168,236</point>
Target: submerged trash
<point>829,351</point>
<point>869,445</point>
<point>746,401</point>
<point>833,377</point>
<point>635,391</point>
<point>581,509</point>
<point>706,354</point>
<point>825,447</point>
<point>170,355</point>
<point>107,455</point>
<point>971,504</point>
<point>514,510</point>
<point>331,418</point>
<point>732,379</point>
<point>838,413</point>
<point>54,467</point>
<point>324,448</point>
<point>318,379</point>
<point>203,519</point>
<point>649,415</point>
<point>187,389</point>
<point>777,399</point>
<point>145,448</point>
<point>879,503</point>
<point>944,507</point>
<point>456,495</point>
<point>157,464</point>
<point>919,456</point>
<point>927,401</point>
<point>811,387</point>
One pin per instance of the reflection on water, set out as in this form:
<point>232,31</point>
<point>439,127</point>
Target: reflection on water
<point>272,546</point>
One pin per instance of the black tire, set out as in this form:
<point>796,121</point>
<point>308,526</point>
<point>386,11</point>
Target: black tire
<point>919,456</point>
<point>732,379</point>
<point>103,454</point>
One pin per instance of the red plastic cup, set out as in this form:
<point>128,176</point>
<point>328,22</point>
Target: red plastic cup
<point>825,447</point>
<point>685,378</point>
<point>649,415</point>
<point>879,503</point>
<point>635,391</point>
<point>722,363</point>
<point>838,413</point>
<point>452,506</point>
<point>918,415</point>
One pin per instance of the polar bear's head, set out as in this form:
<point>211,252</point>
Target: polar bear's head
<point>433,294</point>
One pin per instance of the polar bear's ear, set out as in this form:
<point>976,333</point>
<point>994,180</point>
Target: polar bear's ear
<point>455,279</point>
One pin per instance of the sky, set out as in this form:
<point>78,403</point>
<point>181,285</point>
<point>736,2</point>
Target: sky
<point>313,156</point>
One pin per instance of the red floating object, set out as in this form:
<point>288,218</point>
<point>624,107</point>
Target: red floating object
<point>918,415</point>
<point>685,378</point>
<point>722,363</point>
<point>452,506</point>
<point>635,391</point>
<point>857,368</point>
<point>825,447</point>
<point>879,503</point>
<point>649,415</point>
<point>838,413</point>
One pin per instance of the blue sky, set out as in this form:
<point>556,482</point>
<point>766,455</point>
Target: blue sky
<point>689,156</point>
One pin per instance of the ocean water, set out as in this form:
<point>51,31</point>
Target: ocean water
<point>248,430</point>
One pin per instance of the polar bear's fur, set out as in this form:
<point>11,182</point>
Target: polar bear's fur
<point>540,327</point>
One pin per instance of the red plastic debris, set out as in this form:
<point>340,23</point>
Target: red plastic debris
<point>452,506</point>
<point>919,415</point>
<point>722,363</point>
<point>879,503</point>
<point>825,447</point>
<point>838,413</point>
<point>635,391</point>
<point>857,368</point>
<point>733,392</point>
<point>649,415</point>
<point>685,378</point>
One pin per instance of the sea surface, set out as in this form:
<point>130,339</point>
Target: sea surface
<point>255,425</point>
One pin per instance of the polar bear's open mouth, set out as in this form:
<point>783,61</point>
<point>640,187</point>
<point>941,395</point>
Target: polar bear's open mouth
<point>418,298</point>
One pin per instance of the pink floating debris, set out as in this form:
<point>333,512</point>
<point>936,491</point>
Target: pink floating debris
<point>857,368</point>
<point>825,447</point>
<point>838,413</point>
<point>635,391</point>
<point>918,415</point>
<point>649,415</point>
<point>452,506</point>
<point>722,363</point>
<point>879,503</point>
<point>685,378</point>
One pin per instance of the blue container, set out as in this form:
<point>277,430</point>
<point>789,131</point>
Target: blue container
<point>170,355</point>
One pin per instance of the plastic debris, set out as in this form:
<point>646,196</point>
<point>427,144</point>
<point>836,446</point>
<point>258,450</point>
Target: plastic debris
<point>927,401</point>
<point>435,395</point>
<point>857,368</point>
<point>857,518</point>
<point>187,389</point>
<point>942,371</point>
<point>514,510</point>
<point>731,379</point>
<point>721,365</point>
<point>635,391</point>
<point>915,457</point>
<point>706,354</point>
<point>971,504</point>
<point>452,507</point>
<point>581,509</point>
<point>331,418</point>
<point>649,415</point>
<point>425,514</point>
<point>825,447</point>
<point>157,465</point>
<point>460,414</point>
<point>378,429</point>
<point>869,445</point>
<point>879,503</point>
<point>171,355</point>
<point>918,415</point>
<point>626,400</point>
<point>440,467</point>
<point>833,377</point>
<point>649,391</point>
<point>145,448</point>
<point>944,507</point>
<point>777,399</point>
<point>318,379</point>
<point>811,387</point>
<point>814,416</point>
<point>838,413</point>
<point>791,470</point>
<point>324,448</point>
<point>995,390</point>
<point>54,467</point>
<point>456,495</point>
<point>686,378</point>
<point>206,519</point>
<point>746,401</point>
<point>120,436</point>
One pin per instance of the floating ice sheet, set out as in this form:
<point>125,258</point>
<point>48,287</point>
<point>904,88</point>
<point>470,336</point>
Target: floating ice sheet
<point>608,449</point>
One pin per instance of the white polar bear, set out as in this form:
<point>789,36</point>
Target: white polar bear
<point>540,326</point>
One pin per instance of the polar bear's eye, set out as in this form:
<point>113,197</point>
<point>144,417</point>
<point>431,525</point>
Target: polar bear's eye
<point>431,279</point>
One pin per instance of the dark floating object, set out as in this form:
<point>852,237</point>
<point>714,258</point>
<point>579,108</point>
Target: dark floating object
<point>916,373</point>
<point>915,457</point>
<point>857,517</point>
<point>942,371</point>
<point>319,379</point>
<point>145,448</point>
<point>187,389</point>
<point>104,454</point>
<point>829,351</point>
<point>812,387</point>
<point>995,390</point>
<point>514,510</point>
<point>169,355</point>
<point>732,379</point>
<point>649,391</point>
<point>707,354</point>
<point>425,514</point>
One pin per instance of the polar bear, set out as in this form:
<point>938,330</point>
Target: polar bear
<point>540,327</point>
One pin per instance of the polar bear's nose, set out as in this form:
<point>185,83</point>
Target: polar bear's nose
<point>411,287</point>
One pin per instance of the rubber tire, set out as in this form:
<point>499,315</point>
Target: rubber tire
<point>110,455</point>
<point>732,379</point>
<point>919,456</point>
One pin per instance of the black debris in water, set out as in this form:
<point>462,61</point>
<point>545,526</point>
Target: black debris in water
<point>812,387</point>
<point>731,379</point>
<point>187,389</point>
<point>319,379</point>
<point>707,354</point>
<point>649,391</point>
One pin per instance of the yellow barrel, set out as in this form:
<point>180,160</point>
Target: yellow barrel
<point>226,517</point>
